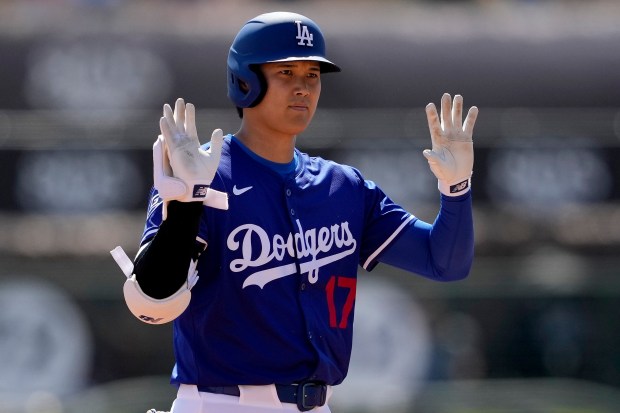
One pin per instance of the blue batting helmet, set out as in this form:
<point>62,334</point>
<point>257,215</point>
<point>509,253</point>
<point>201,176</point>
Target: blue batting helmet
<point>271,37</point>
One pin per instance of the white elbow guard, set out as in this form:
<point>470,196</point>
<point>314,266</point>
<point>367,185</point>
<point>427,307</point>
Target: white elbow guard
<point>151,310</point>
<point>148,309</point>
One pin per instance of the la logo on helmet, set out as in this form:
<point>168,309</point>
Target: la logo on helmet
<point>303,34</point>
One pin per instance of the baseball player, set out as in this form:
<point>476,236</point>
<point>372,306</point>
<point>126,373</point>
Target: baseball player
<point>251,247</point>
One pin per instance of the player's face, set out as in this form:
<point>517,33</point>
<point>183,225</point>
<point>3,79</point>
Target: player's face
<point>293,90</point>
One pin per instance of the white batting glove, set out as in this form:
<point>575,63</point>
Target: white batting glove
<point>452,156</point>
<point>183,171</point>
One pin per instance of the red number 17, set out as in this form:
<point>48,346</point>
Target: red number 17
<point>343,282</point>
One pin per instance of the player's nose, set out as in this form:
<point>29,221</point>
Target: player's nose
<point>301,87</point>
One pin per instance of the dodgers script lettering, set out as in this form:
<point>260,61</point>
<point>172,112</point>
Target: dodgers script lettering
<point>333,243</point>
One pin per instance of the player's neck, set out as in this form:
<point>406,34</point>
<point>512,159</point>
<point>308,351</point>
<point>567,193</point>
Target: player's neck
<point>270,145</point>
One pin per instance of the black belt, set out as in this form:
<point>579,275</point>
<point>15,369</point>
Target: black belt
<point>306,395</point>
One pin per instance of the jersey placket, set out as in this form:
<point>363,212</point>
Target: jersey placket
<point>292,195</point>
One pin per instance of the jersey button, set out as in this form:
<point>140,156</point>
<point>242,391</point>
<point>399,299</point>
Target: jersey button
<point>292,211</point>
<point>288,192</point>
<point>303,286</point>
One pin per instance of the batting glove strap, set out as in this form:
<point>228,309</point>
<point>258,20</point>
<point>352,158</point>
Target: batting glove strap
<point>455,189</point>
<point>195,191</point>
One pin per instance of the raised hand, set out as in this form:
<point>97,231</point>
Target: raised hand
<point>195,166</point>
<point>182,170</point>
<point>452,155</point>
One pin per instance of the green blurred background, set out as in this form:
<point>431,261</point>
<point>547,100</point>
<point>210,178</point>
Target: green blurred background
<point>533,329</point>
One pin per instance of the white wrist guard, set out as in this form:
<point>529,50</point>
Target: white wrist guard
<point>147,309</point>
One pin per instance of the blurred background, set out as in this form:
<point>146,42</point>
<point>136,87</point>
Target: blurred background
<point>535,327</point>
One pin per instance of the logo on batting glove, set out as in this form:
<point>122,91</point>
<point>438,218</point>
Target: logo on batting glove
<point>461,186</point>
<point>200,191</point>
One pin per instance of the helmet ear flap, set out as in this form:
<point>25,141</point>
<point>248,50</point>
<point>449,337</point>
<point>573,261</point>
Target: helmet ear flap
<point>261,84</point>
<point>249,91</point>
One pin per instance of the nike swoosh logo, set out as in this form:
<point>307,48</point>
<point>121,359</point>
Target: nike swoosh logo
<point>239,191</point>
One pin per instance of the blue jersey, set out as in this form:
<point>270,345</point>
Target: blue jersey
<point>276,295</point>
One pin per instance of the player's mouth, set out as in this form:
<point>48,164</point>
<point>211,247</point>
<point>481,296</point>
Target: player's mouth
<point>299,106</point>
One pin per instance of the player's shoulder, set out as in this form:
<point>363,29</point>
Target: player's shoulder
<point>319,166</point>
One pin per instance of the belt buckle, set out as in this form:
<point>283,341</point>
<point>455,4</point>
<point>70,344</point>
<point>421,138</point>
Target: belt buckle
<point>311,394</point>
